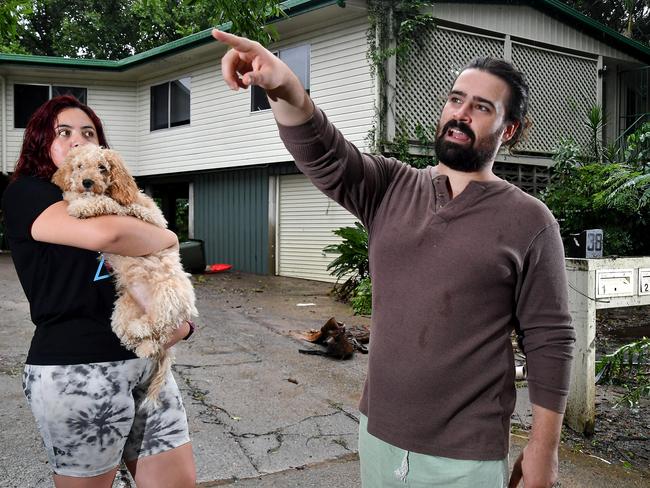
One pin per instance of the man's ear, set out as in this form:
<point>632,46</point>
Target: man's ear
<point>510,131</point>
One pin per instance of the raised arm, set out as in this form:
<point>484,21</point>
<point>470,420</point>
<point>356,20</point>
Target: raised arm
<point>127,236</point>
<point>249,63</point>
<point>335,166</point>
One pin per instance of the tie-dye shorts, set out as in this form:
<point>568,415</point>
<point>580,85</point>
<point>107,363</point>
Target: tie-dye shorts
<point>90,415</point>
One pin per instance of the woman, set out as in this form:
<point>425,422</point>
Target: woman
<point>83,386</point>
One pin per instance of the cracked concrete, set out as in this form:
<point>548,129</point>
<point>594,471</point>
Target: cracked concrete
<point>255,406</point>
<point>260,414</point>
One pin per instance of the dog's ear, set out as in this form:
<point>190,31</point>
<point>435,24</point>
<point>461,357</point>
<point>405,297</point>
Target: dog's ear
<point>61,177</point>
<point>123,188</point>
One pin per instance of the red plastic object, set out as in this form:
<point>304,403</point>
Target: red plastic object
<point>217,268</point>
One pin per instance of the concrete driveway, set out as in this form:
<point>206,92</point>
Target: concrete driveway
<point>261,414</point>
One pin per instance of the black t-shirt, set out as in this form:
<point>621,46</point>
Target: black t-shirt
<point>70,292</point>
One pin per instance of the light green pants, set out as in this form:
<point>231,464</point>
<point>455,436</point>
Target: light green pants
<point>386,466</point>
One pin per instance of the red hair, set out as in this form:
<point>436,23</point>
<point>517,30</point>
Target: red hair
<point>35,159</point>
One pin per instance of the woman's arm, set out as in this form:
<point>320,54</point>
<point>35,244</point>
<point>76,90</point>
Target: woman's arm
<point>127,236</point>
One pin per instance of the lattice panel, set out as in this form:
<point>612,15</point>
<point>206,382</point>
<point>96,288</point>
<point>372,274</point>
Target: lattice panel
<point>429,72</point>
<point>562,90</point>
<point>532,179</point>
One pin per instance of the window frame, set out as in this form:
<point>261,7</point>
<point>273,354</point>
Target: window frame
<point>168,85</point>
<point>50,91</point>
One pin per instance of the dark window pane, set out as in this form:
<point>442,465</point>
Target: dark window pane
<point>77,92</point>
<point>180,102</point>
<point>159,106</point>
<point>27,98</point>
<point>259,101</point>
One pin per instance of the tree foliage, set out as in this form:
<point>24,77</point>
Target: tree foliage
<point>11,11</point>
<point>628,17</point>
<point>605,188</point>
<point>114,29</point>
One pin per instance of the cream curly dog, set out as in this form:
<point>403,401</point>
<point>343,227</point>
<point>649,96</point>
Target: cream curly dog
<point>95,182</point>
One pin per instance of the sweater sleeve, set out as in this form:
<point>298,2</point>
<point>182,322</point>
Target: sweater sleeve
<point>544,320</point>
<point>336,167</point>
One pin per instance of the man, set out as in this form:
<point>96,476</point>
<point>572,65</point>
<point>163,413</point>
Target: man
<point>459,258</point>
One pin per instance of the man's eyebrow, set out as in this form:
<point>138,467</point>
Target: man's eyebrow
<point>486,101</point>
<point>480,99</point>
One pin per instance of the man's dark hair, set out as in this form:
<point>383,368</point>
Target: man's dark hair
<point>517,107</point>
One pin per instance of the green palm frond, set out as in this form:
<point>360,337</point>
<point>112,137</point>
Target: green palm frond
<point>627,366</point>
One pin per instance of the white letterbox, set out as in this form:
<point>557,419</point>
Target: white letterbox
<point>614,283</point>
<point>644,281</point>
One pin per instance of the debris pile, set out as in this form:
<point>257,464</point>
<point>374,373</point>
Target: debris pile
<point>339,341</point>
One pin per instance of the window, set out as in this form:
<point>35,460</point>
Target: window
<point>297,58</point>
<point>78,93</point>
<point>170,104</point>
<point>28,98</point>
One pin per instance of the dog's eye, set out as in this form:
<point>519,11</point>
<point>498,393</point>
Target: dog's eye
<point>103,168</point>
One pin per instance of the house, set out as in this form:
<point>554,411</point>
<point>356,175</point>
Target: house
<point>213,157</point>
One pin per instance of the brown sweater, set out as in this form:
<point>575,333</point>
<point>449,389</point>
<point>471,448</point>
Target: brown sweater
<point>451,278</point>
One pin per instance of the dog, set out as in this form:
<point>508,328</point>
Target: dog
<point>95,181</point>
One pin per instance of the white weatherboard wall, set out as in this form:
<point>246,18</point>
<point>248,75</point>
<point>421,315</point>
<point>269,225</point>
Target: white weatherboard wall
<point>114,103</point>
<point>224,133</point>
<point>306,220</point>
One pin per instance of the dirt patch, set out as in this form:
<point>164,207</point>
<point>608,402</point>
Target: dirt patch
<point>622,434</point>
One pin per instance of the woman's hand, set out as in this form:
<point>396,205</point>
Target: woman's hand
<point>141,293</point>
<point>179,334</point>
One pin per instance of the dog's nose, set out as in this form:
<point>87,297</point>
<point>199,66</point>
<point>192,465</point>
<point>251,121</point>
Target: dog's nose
<point>87,183</point>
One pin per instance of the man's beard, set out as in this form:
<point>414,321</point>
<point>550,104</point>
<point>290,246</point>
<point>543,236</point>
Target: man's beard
<point>466,158</point>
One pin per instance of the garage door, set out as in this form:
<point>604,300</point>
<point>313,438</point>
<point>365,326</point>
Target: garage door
<point>306,219</point>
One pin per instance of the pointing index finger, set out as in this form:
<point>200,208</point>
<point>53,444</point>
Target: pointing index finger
<point>239,43</point>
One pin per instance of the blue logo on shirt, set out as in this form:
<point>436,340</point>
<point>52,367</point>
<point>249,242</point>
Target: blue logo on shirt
<point>101,268</point>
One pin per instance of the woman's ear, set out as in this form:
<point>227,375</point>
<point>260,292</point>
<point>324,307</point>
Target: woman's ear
<point>123,188</point>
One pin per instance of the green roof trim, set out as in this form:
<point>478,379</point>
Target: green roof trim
<point>291,8</point>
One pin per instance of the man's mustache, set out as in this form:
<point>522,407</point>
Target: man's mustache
<point>461,126</point>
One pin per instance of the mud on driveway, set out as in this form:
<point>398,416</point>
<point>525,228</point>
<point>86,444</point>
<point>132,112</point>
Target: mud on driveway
<point>622,434</point>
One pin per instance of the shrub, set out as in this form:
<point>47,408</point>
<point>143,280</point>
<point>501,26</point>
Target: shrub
<point>351,264</point>
<point>361,300</point>
<point>612,194</point>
